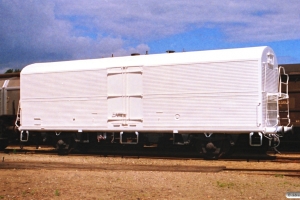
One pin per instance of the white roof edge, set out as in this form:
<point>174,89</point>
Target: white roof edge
<point>148,60</point>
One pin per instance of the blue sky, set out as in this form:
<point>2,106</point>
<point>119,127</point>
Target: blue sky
<point>53,30</point>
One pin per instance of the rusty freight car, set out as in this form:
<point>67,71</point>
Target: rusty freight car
<point>291,141</point>
<point>9,101</point>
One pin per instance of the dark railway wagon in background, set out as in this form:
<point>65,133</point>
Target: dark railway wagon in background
<point>292,141</point>
<point>9,102</point>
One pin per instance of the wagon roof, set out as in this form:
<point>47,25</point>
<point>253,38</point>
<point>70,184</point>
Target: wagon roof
<point>250,53</point>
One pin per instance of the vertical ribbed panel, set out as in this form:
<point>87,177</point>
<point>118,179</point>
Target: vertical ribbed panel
<point>11,104</point>
<point>2,82</point>
<point>1,102</point>
<point>270,79</point>
<point>202,95</point>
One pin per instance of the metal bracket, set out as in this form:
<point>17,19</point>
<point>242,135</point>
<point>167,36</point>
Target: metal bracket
<point>131,140</point>
<point>253,143</point>
<point>26,137</point>
<point>208,134</point>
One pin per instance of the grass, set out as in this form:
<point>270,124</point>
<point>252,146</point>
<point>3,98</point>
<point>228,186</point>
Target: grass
<point>24,193</point>
<point>285,183</point>
<point>57,193</point>
<point>279,175</point>
<point>225,185</point>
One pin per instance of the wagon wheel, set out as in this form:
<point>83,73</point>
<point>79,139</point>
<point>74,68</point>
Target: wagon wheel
<point>211,150</point>
<point>64,146</point>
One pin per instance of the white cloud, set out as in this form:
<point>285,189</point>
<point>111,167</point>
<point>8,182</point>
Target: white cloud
<point>144,20</point>
<point>31,32</point>
<point>35,31</point>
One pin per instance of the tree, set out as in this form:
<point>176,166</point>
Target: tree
<point>12,71</point>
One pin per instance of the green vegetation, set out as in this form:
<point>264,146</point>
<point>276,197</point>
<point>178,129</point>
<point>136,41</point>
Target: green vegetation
<point>285,183</point>
<point>279,175</point>
<point>223,185</point>
<point>12,71</point>
<point>57,193</point>
<point>24,193</point>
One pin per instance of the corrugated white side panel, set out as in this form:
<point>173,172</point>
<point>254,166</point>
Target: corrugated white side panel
<point>204,96</point>
<point>63,113</point>
<point>63,84</point>
<point>68,99</point>
<point>201,91</point>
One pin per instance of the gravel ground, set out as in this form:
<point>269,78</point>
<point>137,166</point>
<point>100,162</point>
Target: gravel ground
<point>89,183</point>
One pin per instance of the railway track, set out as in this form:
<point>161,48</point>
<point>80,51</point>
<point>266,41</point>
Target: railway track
<point>35,165</point>
<point>275,172</point>
<point>221,165</point>
<point>288,157</point>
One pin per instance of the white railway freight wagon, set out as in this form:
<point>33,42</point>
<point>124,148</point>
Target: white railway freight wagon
<point>232,91</point>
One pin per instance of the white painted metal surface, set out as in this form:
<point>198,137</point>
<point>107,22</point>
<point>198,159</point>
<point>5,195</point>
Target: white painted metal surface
<point>206,91</point>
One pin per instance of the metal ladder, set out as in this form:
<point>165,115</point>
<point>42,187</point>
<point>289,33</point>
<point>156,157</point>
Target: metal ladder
<point>24,135</point>
<point>283,99</point>
<point>18,119</point>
